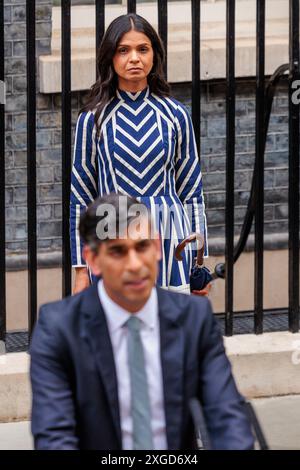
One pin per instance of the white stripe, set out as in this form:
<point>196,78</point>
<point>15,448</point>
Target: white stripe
<point>109,160</point>
<point>114,110</point>
<point>196,184</point>
<point>133,126</point>
<point>134,170</point>
<point>182,167</point>
<point>78,196</point>
<point>169,155</point>
<point>174,105</point>
<point>162,115</point>
<point>138,143</point>
<point>103,111</point>
<point>132,111</point>
<point>78,250</point>
<point>153,214</point>
<point>122,190</point>
<point>94,149</point>
<point>75,144</point>
<point>134,186</point>
<point>114,125</point>
<point>187,178</point>
<point>166,219</point>
<point>83,150</point>
<point>159,123</point>
<point>196,215</point>
<point>157,191</point>
<point>164,270</point>
<point>179,139</point>
<point>171,116</point>
<point>187,130</point>
<point>183,289</point>
<point>82,184</point>
<point>145,155</point>
<point>104,170</point>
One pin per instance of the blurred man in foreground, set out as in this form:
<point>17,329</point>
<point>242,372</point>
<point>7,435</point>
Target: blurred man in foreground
<point>115,366</point>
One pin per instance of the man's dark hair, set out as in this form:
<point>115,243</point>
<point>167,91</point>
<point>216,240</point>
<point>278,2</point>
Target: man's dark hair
<point>120,220</point>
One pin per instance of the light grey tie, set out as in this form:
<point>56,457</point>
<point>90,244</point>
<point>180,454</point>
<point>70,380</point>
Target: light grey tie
<point>140,402</point>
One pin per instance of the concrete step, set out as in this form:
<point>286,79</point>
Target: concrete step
<point>279,418</point>
<point>263,366</point>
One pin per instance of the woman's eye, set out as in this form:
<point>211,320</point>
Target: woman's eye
<point>122,50</point>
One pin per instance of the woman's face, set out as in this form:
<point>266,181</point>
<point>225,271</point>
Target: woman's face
<point>133,61</point>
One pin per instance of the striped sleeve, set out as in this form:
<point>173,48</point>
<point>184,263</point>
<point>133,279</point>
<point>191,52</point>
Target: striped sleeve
<point>188,173</point>
<point>84,180</point>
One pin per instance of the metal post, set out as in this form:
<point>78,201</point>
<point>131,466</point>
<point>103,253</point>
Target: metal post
<point>31,163</point>
<point>196,100</point>
<point>100,24</point>
<point>131,6</point>
<point>66,142</point>
<point>230,164</point>
<point>294,171</point>
<point>162,6</point>
<point>259,150</point>
<point>2,187</point>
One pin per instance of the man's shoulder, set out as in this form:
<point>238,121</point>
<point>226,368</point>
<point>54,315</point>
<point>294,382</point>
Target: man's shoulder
<point>183,306</point>
<point>63,310</point>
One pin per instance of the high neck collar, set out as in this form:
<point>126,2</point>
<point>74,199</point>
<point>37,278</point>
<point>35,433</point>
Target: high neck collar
<point>130,97</point>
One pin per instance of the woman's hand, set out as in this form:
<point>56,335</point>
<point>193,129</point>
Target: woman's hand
<point>82,280</point>
<point>203,292</point>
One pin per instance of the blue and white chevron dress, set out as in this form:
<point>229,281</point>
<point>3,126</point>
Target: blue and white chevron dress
<point>147,150</point>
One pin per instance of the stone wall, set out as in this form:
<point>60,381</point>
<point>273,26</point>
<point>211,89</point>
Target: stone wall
<point>213,145</point>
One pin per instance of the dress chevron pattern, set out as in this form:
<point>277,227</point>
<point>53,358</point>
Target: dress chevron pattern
<point>146,149</point>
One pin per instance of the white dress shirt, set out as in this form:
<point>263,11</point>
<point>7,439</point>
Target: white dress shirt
<point>116,318</point>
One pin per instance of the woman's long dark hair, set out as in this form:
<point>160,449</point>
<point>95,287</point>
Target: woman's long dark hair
<point>107,80</point>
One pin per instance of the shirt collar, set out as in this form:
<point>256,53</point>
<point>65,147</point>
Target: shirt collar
<point>117,316</point>
<point>136,97</point>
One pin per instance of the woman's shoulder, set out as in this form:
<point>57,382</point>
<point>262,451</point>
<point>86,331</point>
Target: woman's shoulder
<point>86,118</point>
<point>174,106</point>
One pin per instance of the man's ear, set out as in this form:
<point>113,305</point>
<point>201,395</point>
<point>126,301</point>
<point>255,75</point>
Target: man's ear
<point>157,242</point>
<point>90,257</point>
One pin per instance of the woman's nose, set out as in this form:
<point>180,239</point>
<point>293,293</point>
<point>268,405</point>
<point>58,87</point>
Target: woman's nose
<point>134,56</point>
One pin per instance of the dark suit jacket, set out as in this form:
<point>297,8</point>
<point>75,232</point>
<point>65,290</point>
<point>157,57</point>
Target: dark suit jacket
<point>74,383</point>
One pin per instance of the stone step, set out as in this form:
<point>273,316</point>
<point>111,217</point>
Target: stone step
<point>264,366</point>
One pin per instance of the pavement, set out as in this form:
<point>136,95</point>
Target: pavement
<point>279,418</point>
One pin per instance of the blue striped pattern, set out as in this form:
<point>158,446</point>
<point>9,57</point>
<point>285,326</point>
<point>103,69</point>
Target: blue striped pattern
<point>146,149</point>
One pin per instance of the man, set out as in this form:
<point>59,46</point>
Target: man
<point>115,366</point>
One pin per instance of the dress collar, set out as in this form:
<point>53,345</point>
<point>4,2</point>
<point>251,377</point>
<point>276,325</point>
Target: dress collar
<point>136,97</point>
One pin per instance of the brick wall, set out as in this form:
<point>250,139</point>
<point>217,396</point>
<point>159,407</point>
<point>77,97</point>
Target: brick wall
<point>213,155</point>
<point>213,144</point>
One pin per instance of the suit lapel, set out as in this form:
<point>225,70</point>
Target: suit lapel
<point>172,358</point>
<point>98,335</point>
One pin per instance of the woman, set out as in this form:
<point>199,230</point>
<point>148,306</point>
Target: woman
<point>133,138</point>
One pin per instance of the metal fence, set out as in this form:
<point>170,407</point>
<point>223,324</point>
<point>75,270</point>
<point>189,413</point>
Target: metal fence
<point>264,96</point>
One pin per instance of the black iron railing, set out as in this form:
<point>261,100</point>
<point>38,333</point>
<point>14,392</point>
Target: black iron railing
<point>294,74</point>
<point>31,164</point>
<point>2,187</point>
<point>255,209</point>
